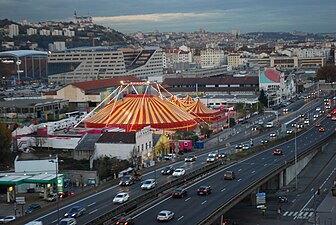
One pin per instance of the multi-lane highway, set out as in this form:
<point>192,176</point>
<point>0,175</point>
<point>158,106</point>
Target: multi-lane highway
<point>194,208</point>
<point>100,203</point>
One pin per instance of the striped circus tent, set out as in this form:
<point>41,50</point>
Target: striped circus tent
<point>179,102</point>
<point>188,100</point>
<point>134,112</point>
<point>202,112</point>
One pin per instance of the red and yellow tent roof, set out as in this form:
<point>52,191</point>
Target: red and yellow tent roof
<point>188,100</point>
<point>179,102</point>
<point>201,111</point>
<point>134,112</point>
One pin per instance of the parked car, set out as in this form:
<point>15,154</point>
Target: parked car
<point>204,190</point>
<point>165,215</point>
<point>126,180</point>
<point>179,193</point>
<point>75,211</point>
<point>229,175</point>
<point>32,208</point>
<point>7,219</point>
<point>168,170</point>
<point>121,197</point>
<point>179,172</point>
<point>277,152</point>
<point>68,221</point>
<point>148,184</point>
<point>51,197</point>
<point>190,158</point>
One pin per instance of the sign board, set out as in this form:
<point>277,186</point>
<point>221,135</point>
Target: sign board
<point>20,200</point>
<point>261,199</point>
<point>60,184</point>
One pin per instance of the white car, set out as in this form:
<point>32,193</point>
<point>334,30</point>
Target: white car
<point>68,221</point>
<point>179,172</point>
<point>7,219</point>
<point>121,197</point>
<point>273,134</point>
<point>269,124</point>
<point>246,146</point>
<point>165,215</point>
<point>148,184</point>
<point>318,109</point>
<point>211,158</point>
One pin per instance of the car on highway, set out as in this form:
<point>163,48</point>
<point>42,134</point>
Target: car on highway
<point>68,221</point>
<point>165,215</point>
<point>222,155</point>
<point>32,208</point>
<point>7,219</point>
<point>333,118</point>
<point>204,190</point>
<point>289,131</point>
<point>273,134</point>
<point>246,146</point>
<point>316,115</point>
<point>254,128</point>
<point>229,175</point>
<point>264,141</point>
<point>318,109</point>
<point>302,115</point>
<point>169,156</point>
<point>260,122</point>
<point>121,197</point>
<point>306,121</point>
<point>282,199</point>
<point>329,115</point>
<point>294,124</point>
<point>300,125</point>
<point>75,211</point>
<point>51,197</point>
<point>269,124</point>
<point>65,194</point>
<point>317,125</point>
<point>148,184</point>
<point>179,193</point>
<point>322,129</point>
<point>211,158</point>
<point>179,172</point>
<point>285,110</point>
<point>190,158</point>
<point>277,152</point>
<point>125,220</point>
<point>126,180</point>
<point>239,146</point>
<point>168,170</point>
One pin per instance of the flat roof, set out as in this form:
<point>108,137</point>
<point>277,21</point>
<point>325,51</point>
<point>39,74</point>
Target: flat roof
<point>12,180</point>
<point>16,103</point>
<point>21,53</point>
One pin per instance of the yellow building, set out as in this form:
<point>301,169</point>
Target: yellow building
<point>233,60</point>
<point>161,145</point>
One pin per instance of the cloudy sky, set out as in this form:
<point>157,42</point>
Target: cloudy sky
<point>183,15</point>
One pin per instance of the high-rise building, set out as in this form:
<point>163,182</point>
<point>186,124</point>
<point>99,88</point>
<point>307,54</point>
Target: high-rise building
<point>13,30</point>
<point>31,31</point>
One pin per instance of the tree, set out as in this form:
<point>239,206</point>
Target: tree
<point>5,143</point>
<point>327,73</point>
<point>263,98</point>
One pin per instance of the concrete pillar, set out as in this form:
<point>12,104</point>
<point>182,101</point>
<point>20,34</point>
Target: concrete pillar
<point>253,196</point>
<point>281,179</point>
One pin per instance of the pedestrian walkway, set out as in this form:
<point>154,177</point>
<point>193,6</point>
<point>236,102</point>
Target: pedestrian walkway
<point>300,215</point>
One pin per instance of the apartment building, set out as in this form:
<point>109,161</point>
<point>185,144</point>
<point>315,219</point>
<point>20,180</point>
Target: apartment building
<point>212,57</point>
<point>233,59</point>
<point>13,30</point>
<point>289,62</point>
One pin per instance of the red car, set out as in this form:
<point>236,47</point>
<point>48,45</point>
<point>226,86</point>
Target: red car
<point>277,152</point>
<point>328,115</point>
<point>317,125</point>
<point>322,129</point>
<point>66,194</point>
<point>333,118</point>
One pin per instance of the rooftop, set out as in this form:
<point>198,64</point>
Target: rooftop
<point>21,53</point>
<point>28,102</point>
<point>117,138</point>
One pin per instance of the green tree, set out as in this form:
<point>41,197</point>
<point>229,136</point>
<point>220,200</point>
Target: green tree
<point>327,73</point>
<point>5,143</point>
<point>205,129</point>
<point>262,98</point>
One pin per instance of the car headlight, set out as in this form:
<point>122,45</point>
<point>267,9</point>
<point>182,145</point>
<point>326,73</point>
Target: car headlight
<point>74,214</point>
<point>66,214</point>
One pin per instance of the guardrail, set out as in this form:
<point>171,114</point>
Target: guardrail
<point>152,194</point>
<point>213,216</point>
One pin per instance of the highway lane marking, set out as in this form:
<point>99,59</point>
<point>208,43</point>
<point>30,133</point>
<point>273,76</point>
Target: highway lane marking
<point>223,189</point>
<point>239,170</point>
<point>187,199</point>
<point>203,202</point>
<point>91,204</point>
<point>93,211</point>
<point>180,218</point>
<point>54,221</point>
<point>240,179</point>
<point>253,171</point>
<point>265,164</point>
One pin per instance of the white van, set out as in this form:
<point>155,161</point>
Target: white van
<point>269,124</point>
<point>34,223</point>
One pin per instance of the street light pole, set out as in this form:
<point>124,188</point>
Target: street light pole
<point>295,153</point>
<point>56,161</point>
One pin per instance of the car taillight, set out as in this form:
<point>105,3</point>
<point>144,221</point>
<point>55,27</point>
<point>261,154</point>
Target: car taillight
<point>198,190</point>
<point>224,175</point>
<point>204,190</point>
